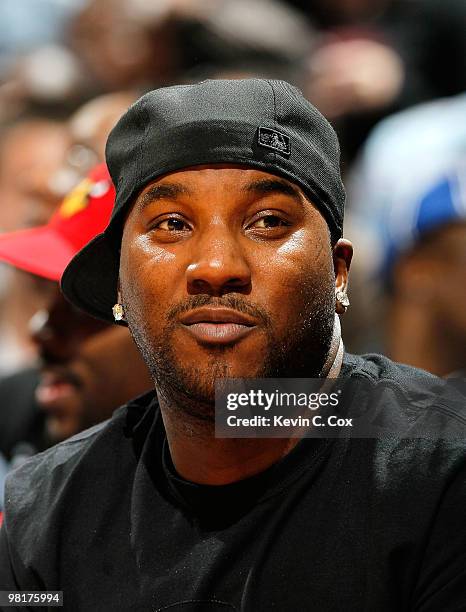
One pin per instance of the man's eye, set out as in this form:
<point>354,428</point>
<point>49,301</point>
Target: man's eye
<point>172,225</point>
<point>269,222</point>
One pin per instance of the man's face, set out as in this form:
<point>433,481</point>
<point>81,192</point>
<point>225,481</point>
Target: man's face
<point>226,272</point>
<point>89,368</point>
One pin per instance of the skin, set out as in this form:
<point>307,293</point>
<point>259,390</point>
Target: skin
<point>89,368</point>
<point>427,318</point>
<point>31,152</point>
<point>241,239</point>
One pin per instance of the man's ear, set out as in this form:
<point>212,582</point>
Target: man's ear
<point>342,255</point>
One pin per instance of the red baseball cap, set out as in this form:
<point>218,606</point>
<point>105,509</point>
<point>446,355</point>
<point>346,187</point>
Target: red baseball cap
<point>84,213</point>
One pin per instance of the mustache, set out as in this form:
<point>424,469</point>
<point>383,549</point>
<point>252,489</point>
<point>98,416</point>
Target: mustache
<point>47,358</point>
<point>233,301</point>
<point>48,362</point>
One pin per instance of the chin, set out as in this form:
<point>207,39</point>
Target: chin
<point>58,431</point>
<point>195,384</point>
<point>213,365</point>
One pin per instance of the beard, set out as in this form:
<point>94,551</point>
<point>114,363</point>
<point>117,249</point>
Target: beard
<point>300,353</point>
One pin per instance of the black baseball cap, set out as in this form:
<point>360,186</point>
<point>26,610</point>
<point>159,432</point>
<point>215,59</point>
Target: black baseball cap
<point>261,123</point>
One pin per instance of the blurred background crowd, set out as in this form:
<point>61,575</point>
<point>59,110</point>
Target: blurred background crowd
<point>390,75</point>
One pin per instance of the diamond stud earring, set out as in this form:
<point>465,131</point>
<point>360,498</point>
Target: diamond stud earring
<point>343,299</point>
<point>118,312</point>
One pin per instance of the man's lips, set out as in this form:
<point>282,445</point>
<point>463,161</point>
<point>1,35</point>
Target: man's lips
<point>54,388</point>
<point>217,325</point>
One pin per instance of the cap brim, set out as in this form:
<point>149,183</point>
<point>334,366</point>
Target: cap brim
<point>90,280</point>
<point>41,251</point>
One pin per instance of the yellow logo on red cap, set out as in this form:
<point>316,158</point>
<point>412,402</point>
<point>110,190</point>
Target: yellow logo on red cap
<point>77,199</point>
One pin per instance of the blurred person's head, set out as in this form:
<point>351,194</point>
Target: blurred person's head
<point>401,159</point>
<point>120,47</point>
<point>88,368</point>
<point>353,74</point>
<point>424,270</point>
<point>88,129</point>
<point>238,34</point>
<point>31,153</point>
<point>49,76</point>
<point>91,124</point>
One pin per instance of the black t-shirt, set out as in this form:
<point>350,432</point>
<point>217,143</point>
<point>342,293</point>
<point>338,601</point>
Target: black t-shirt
<point>345,524</point>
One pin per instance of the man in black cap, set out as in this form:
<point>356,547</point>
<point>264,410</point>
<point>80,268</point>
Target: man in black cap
<point>224,257</point>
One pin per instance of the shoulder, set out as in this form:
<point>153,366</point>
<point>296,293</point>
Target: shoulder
<point>412,403</point>
<point>39,482</point>
<point>378,367</point>
<point>34,488</point>
<point>66,485</point>
<point>413,433</point>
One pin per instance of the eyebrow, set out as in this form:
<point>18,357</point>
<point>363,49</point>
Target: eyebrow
<point>271,186</point>
<point>168,191</point>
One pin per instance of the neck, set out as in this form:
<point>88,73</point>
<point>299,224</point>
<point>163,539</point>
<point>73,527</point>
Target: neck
<point>200,457</point>
<point>332,365</point>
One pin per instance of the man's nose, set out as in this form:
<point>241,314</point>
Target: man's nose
<point>53,347</point>
<point>219,264</point>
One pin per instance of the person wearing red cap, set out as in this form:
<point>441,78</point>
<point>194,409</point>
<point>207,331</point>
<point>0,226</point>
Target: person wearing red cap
<point>81,382</point>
